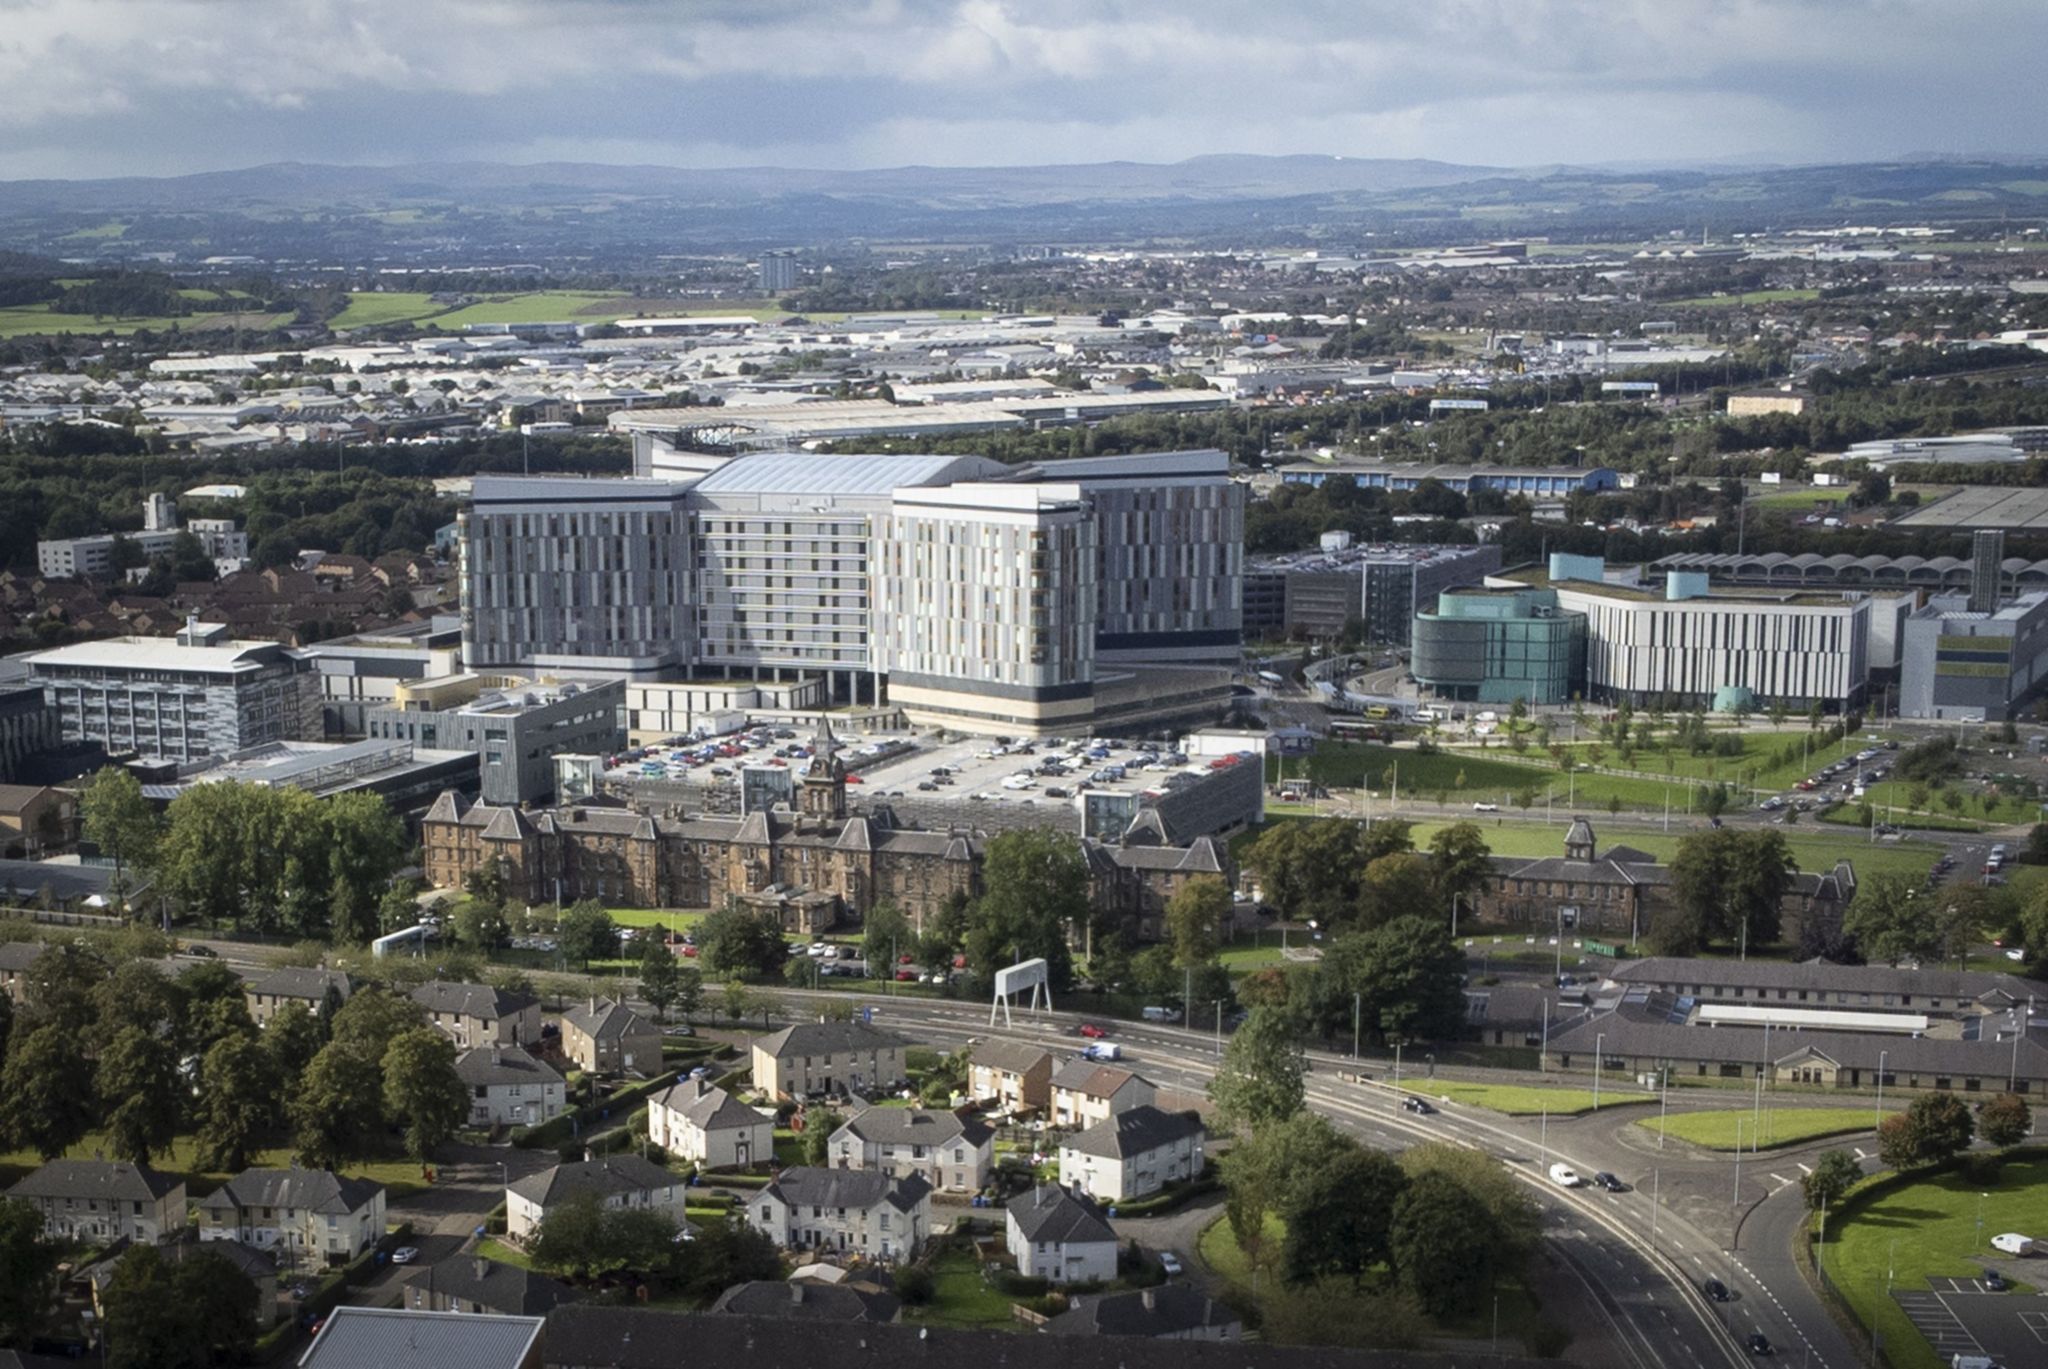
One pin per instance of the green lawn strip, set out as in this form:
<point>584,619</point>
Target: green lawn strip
<point>400,1178</point>
<point>1851,815</point>
<point>1896,794</point>
<point>1786,296</point>
<point>491,1248</point>
<point>961,1298</point>
<point>1781,1126</point>
<point>1810,852</point>
<point>1218,1248</point>
<point>1928,1230</point>
<point>1519,1100</point>
<point>370,309</point>
<point>673,919</point>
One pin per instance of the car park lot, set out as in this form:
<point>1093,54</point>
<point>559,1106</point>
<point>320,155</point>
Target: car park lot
<point>1032,772</point>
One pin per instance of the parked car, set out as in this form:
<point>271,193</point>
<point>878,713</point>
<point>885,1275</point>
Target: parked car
<point>1994,1281</point>
<point>1169,1262</point>
<point>405,1254</point>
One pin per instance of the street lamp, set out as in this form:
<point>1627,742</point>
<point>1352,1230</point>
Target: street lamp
<point>1878,1119</point>
<point>1357,1002</point>
<point>1735,1202</point>
<point>1599,1054</point>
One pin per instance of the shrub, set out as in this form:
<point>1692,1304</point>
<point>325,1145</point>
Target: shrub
<point>915,1285</point>
<point>1982,1167</point>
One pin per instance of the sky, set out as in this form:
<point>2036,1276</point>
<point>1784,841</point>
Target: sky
<point>92,88</point>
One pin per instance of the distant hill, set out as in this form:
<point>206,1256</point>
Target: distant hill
<point>478,212</point>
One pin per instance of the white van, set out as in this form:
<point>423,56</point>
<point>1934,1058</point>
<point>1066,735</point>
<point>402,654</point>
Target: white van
<point>1564,1176</point>
<point>2012,1243</point>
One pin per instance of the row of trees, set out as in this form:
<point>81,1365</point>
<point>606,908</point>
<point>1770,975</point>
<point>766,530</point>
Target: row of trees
<point>147,1061</point>
<point>276,860</point>
<point>1335,872</point>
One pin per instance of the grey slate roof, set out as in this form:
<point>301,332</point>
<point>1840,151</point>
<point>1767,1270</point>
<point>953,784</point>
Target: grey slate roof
<point>916,1126</point>
<point>708,1107</point>
<point>357,1337</point>
<point>100,1179</point>
<point>1135,1131</point>
<point>296,982</point>
<point>627,1173</point>
<point>469,1000</point>
<point>811,1186</point>
<point>1091,1077</point>
<point>807,1302</point>
<point>312,1190</point>
<point>606,1020</point>
<point>502,1288</point>
<point>1050,1213</point>
<point>482,1066</point>
<point>828,1038</point>
<point>1826,976</point>
<point>1017,1057</point>
<point>1171,1309</point>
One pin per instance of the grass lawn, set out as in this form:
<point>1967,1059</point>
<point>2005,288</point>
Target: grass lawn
<point>1747,297</point>
<point>1517,1100</point>
<point>27,319</point>
<point>1251,951</point>
<point>672,919</point>
<point>368,309</point>
<point>960,1298</point>
<point>399,1177</point>
<point>1218,1248</point>
<point>1781,1126</point>
<point>1928,1229</point>
<point>539,306</point>
<point>1814,851</point>
<point>491,1248</point>
<point>2005,808</point>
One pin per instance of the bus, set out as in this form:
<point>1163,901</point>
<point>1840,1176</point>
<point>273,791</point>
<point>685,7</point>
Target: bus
<point>1352,730</point>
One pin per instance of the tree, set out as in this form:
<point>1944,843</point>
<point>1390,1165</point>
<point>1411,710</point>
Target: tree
<point>689,990</point>
<point>48,1106</point>
<point>1727,883</point>
<point>237,1105</point>
<point>1260,1080</point>
<point>817,1138</point>
<point>481,924</point>
<point>1460,861</point>
<point>335,1115</point>
<point>1888,918</point>
<point>1444,1245</point>
<point>137,1075</point>
<point>290,1040</point>
<point>365,844</point>
<point>1341,1221</point>
<point>115,817</point>
<point>1958,919</point>
<point>422,1092</point>
<point>660,977</point>
<point>1933,1127</point>
<point>582,1238</point>
<point>1403,980</point>
<point>2005,1120</point>
<point>198,1312</point>
<point>372,1018</point>
<point>1266,1172</point>
<point>885,934</point>
<point>1834,1171</point>
<point>1394,885</point>
<point>1506,1200</point>
<point>1195,917</point>
<point>1036,896</point>
<point>61,987</point>
<point>28,1272</point>
<point>136,996</point>
<point>734,940</point>
<point>586,932</point>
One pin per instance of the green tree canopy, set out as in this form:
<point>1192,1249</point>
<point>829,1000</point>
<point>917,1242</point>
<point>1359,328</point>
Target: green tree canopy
<point>1036,896</point>
<point>46,1096</point>
<point>2005,1120</point>
<point>1889,919</point>
<point>336,1115</point>
<point>586,932</point>
<point>1445,1245</point>
<point>238,1103</point>
<point>1834,1171</point>
<point>736,940</point>
<point>1196,915</point>
<point>1260,1079</point>
<point>422,1092</point>
<point>115,817</point>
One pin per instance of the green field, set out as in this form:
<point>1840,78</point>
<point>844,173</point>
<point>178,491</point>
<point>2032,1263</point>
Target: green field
<point>399,1177</point>
<point>960,1297</point>
<point>1518,1100</point>
<point>1218,1248</point>
<point>1748,297</point>
<point>1781,1126</point>
<point>369,310</point>
<point>1928,1230</point>
<point>27,319</point>
<point>541,306</point>
<point>1895,794</point>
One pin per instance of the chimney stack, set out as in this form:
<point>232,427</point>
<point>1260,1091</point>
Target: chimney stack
<point>483,1268</point>
<point>1151,1299</point>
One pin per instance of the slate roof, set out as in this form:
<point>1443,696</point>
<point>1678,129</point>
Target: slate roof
<point>811,1186</point>
<point>1017,1057</point>
<point>394,1339</point>
<point>605,1020</point>
<point>916,1126</point>
<point>708,1107</point>
<point>502,1288</point>
<point>807,1302</point>
<point>295,982</point>
<point>470,1000</point>
<point>1087,1076</point>
<point>1135,1131</point>
<point>314,1190</point>
<point>1171,1309</point>
<point>482,1066</point>
<point>100,1179</point>
<point>626,1173</point>
<point>1820,975</point>
<point>828,1038</point>
<point>1050,1213</point>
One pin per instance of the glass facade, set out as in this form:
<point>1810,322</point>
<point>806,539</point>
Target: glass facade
<point>1497,646</point>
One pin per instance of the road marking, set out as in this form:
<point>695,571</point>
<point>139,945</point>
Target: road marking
<point>1806,1169</point>
<point>1860,1155</point>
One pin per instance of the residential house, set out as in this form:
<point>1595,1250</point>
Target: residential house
<point>800,1301</point>
<point>97,1201</point>
<point>508,1087</point>
<point>15,959</point>
<point>259,1267</point>
<point>697,1121</point>
<point>356,1337</point>
<point>847,1211</point>
<point>1132,1154</point>
<point>269,994</point>
<point>36,821</point>
<point>604,1037</point>
<point>476,1286</point>
<point>310,1216</point>
<point>1085,1093</point>
<point>953,1154</point>
<point>828,1057</point>
<point>1172,1311</point>
<point>618,1181</point>
<point>1060,1236</point>
<point>1010,1076</point>
<point>479,1015</point>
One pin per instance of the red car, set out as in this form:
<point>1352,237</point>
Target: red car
<point>906,960</point>
<point>689,950</point>
<point>853,779</point>
<point>906,976</point>
<point>1091,1031</point>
